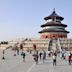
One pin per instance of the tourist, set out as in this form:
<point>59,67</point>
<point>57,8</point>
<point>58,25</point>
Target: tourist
<point>44,55</point>
<point>17,51</point>
<point>36,56</point>
<point>30,51</point>
<point>69,58</point>
<point>3,54</point>
<point>40,55</point>
<point>23,54</point>
<point>54,59</point>
<point>63,56</point>
<point>21,46</point>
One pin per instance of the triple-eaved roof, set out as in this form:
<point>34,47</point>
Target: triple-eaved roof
<point>54,24</point>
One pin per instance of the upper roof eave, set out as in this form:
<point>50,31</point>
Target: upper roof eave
<point>53,15</point>
<point>50,17</point>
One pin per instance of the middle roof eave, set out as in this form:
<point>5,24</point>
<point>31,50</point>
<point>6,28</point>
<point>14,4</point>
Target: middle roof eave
<point>53,24</point>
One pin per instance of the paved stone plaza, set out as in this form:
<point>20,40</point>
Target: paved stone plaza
<point>16,64</point>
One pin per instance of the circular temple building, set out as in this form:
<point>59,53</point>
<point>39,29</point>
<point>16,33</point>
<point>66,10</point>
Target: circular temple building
<point>53,28</point>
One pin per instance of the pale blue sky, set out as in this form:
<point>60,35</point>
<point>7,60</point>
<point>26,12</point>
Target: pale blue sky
<point>22,18</point>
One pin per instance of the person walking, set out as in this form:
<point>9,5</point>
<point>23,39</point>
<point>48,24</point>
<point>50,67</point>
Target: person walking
<point>44,55</point>
<point>40,55</point>
<point>17,51</point>
<point>3,55</point>
<point>36,56</point>
<point>54,59</point>
<point>23,56</point>
<point>69,59</point>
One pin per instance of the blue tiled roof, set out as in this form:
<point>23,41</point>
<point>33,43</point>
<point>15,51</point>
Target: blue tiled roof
<point>54,14</point>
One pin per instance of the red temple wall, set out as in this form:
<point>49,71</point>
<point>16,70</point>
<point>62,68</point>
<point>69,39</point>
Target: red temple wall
<point>51,35</point>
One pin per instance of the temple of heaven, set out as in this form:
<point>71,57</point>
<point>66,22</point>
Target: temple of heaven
<point>53,28</point>
<point>53,37</point>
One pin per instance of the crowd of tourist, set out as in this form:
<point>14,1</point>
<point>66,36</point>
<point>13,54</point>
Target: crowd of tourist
<point>39,55</point>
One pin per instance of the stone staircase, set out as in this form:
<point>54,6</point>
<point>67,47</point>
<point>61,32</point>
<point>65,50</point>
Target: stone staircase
<point>46,44</point>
